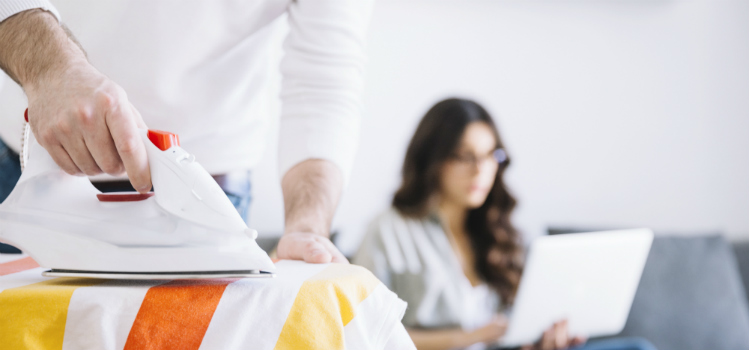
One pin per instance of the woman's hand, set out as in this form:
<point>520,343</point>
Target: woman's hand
<point>490,332</point>
<point>556,337</point>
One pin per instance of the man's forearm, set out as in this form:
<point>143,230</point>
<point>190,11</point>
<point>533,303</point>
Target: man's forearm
<point>33,45</point>
<point>312,190</point>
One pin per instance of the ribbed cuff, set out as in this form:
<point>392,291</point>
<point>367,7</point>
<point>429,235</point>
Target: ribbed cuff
<point>11,7</point>
<point>318,138</point>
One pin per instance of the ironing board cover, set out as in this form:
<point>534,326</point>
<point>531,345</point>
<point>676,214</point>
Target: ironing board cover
<point>307,306</point>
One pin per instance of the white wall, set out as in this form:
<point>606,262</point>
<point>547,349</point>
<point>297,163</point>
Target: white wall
<point>616,113</point>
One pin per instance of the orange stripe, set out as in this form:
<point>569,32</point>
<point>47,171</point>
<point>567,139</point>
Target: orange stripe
<point>176,315</point>
<point>19,265</point>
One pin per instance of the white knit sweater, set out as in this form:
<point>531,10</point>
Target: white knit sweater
<point>201,69</point>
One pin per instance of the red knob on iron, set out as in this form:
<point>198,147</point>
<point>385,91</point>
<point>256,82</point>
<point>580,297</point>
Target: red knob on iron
<point>163,140</point>
<point>26,115</point>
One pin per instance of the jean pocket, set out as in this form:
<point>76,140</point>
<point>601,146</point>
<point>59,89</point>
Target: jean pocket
<point>5,152</point>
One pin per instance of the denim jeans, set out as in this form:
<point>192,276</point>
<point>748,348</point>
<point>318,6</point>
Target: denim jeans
<point>624,343</point>
<point>241,197</point>
<point>621,343</point>
<point>10,171</point>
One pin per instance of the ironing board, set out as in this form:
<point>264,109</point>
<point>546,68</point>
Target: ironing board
<point>307,306</point>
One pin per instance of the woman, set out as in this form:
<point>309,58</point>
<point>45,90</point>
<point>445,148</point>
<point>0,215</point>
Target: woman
<point>447,246</point>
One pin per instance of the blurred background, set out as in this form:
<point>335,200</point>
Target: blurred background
<point>616,113</point>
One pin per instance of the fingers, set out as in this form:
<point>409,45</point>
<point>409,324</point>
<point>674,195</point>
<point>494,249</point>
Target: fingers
<point>315,252</point>
<point>98,141</point>
<point>104,153</point>
<point>122,126</point>
<point>561,334</point>
<point>502,323</point>
<point>79,152</point>
<point>63,160</point>
<point>490,332</point>
<point>88,126</point>
<point>577,341</point>
<point>556,337</point>
<point>309,247</point>
<point>49,140</point>
<point>548,339</point>
<point>501,319</point>
<point>336,255</point>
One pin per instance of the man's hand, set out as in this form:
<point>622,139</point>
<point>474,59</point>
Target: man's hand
<point>311,193</point>
<point>310,247</point>
<point>82,118</point>
<point>88,126</point>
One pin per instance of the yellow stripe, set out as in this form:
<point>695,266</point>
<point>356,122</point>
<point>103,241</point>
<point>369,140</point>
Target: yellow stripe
<point>33,316</point>
<point>324,305</point>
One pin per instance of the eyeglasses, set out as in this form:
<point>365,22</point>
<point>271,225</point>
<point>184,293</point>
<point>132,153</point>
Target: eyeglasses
<point>498,156</point>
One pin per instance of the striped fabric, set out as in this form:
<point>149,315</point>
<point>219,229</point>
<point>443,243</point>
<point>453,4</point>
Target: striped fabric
<point>307,306</point>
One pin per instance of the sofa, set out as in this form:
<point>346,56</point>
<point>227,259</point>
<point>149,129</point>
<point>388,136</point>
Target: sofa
<point>693,293</point>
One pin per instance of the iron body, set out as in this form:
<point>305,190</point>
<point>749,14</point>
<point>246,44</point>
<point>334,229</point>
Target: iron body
<point>187,229</point>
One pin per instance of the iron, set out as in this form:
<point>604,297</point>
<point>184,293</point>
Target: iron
<point>185,229</point>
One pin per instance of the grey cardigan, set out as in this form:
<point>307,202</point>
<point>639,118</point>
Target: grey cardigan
<point>414,259</point>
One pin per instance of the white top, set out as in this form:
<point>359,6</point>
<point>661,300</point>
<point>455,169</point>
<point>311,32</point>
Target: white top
<point>201,69</point>
<point>414,259</point>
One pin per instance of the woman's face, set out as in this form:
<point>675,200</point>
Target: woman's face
<point>468,175</point>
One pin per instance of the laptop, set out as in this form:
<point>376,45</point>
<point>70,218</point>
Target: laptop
<point>589,279</point>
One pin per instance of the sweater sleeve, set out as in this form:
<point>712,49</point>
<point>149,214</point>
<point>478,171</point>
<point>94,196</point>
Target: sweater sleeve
<point>322,70</point>
<point>11,7</point>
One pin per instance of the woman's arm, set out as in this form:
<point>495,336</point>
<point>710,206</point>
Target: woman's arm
<point>445,339</point>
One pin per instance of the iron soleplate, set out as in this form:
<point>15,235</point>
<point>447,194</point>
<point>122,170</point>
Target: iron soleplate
<point>172,275</point>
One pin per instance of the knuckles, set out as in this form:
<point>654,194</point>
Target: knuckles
<point>64,127</point>
<point>111,98</point>
<point>47,137</point>
<point>112,167</point>
<point>71,171</point>
<point>106,100</point>
<point>92,170</point>
<point>310,245</point>
<point>85,116</point>
<point>128,146</point>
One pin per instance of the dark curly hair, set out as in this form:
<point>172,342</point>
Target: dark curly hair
<point>496,244</point>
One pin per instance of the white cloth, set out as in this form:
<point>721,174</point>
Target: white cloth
<point>201,69</point>
<point>307,306</point>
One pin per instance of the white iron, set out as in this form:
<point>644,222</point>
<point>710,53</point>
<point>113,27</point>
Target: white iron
<point>187,229</point>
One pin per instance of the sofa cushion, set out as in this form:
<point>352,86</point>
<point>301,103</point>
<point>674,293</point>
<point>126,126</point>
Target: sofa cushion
<point>690,295</point>
<point>741,253</point>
